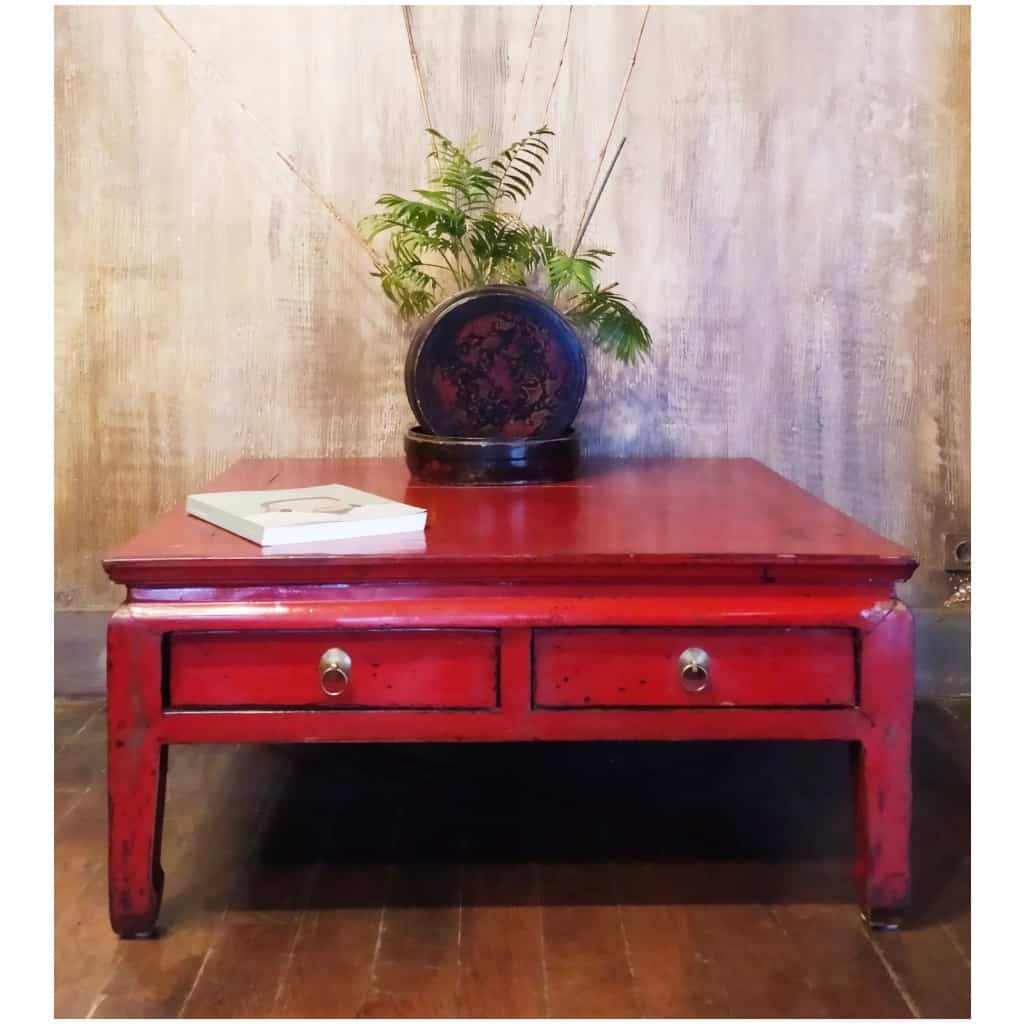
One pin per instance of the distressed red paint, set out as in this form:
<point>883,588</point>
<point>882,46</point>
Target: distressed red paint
<point>589,586</point>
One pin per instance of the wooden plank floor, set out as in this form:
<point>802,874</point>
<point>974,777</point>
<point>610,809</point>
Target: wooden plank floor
<point>632,880</point>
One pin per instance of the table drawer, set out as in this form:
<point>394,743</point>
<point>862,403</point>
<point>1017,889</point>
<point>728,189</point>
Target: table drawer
<point>645,667</point>
<point>402,668</point>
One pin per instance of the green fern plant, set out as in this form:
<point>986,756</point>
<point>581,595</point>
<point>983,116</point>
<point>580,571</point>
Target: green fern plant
<point>463,231</point>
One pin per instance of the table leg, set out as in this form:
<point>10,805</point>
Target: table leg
<point>882,769</point>
<point>136,776</point>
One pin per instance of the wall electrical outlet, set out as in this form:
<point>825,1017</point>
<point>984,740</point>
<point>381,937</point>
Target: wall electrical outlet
<point>958,552</point>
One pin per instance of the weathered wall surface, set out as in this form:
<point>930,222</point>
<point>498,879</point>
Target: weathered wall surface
<point>790,215</point>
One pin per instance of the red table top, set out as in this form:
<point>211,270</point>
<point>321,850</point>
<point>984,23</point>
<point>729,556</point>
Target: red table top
<point>623,518</point>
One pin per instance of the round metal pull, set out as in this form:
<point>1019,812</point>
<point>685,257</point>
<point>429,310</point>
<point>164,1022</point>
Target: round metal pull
<point>335,666</point>
<point>695,669</point>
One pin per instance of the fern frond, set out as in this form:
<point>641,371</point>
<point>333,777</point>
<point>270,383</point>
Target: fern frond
<point>465,182</point>
<point>567,271</point>
<point>520,164</point>
<point>426,217</point>
<point>613,326</point>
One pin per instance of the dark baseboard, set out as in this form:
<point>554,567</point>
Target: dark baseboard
<point>80,653</point>
<point>943,653</point>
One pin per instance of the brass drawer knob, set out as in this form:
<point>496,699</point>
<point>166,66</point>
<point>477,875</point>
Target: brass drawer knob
<point>695,669</point>
<point>335,666</point>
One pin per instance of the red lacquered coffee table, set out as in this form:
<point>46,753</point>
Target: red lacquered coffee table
<point>656,599</point>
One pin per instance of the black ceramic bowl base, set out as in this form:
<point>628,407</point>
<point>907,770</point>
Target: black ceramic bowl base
<point>463,460</point>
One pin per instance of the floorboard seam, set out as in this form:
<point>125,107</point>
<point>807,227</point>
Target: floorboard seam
<point>805,811</point>
<point>809,982</point>
<point>80,795</point>
<point>329,827</point>
<point>951,935</point>
<point>896,979</point>
<point>95,1005</point>
<point>617,896</point>
<point>201,970</point>
<point>68,740</point>
<point>262,820</point>
<point>385,902</point>
<point>302,914</point>
<point>458,927</point>
<point>539,895</point>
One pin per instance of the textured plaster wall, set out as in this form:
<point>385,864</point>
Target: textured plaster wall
<point>790,215</point>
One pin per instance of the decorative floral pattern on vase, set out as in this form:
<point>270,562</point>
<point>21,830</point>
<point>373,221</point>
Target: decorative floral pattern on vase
<point>502,375</point>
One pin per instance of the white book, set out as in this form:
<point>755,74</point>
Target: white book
<point>305,514</point>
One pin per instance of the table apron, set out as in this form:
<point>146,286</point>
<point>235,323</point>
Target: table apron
<point>515,725</point>
<point>139,632</point>
<point>766,605</point>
